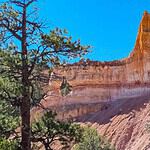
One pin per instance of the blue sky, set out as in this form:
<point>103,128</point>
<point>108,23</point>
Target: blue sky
<point>110,26</point>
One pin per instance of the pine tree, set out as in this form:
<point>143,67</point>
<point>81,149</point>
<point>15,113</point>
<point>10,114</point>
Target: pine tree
<point>22,32</point>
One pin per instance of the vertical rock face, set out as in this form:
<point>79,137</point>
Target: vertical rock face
<point>124,86</point>
<point>110,96</point>
<point>133,71</point>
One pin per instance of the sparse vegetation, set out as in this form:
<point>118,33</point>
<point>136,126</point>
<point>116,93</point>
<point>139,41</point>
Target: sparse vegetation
<point>92,141</point>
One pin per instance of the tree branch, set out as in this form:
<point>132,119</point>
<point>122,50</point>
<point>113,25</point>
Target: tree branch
<point>17,3</point>
<point>30,2</point>
<point>9,29</point>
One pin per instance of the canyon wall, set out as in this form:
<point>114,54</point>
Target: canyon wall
<point>121,87</point>
<point>113,97</point>
<point>126,74</point>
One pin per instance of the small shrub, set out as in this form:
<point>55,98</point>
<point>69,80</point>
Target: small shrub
<point>92,141</point>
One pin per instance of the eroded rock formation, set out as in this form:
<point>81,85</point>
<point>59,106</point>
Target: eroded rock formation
<point>110,96</point>
<point>131,71</point>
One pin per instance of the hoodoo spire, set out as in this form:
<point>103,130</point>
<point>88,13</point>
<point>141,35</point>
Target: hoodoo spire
<point>142,45</point>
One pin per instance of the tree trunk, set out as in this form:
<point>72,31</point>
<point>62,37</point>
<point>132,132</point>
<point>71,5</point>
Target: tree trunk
<point>25,104</point>
<point>25,116</point>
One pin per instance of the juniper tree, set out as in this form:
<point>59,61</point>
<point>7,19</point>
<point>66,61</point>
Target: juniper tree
<point>21,29</point>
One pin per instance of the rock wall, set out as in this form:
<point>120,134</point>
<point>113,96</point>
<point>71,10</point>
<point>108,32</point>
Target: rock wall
<point>131,72</point>
<point>113,97</point>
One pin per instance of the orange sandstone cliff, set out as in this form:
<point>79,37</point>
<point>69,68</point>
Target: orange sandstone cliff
<point>112,96</point>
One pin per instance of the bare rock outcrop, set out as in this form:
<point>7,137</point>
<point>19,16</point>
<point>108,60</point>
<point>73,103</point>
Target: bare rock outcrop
<point>110,96</point>
<point>134,69</point>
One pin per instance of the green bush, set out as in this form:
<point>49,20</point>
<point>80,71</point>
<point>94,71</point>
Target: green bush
<point>48,129</point>
<point>6,144</point>
<point>92,141</point>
